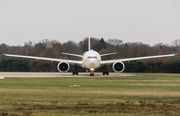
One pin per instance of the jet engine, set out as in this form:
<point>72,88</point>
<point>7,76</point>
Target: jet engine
<point>63,66</point>
<point>118,67</point>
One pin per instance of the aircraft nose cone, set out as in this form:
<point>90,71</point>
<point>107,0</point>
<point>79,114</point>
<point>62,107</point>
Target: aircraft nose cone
<point>93,63</point>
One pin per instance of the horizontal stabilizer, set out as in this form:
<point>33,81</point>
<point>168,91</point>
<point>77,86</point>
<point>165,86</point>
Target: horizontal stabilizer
<point>73,54</point>
<point>108,54</point>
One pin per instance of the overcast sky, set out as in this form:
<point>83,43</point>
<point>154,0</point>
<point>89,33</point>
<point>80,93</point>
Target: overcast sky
<point>147,21</point>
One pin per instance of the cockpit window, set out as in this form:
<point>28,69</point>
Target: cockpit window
<point>90,57</point>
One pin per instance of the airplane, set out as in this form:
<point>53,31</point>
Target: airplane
<point>91,60</point>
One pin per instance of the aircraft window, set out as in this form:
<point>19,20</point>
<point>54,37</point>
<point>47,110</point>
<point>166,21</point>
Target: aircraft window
<point>92,57</point>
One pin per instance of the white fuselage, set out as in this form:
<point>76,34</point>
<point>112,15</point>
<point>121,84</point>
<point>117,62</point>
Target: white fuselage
<point>91,60</point>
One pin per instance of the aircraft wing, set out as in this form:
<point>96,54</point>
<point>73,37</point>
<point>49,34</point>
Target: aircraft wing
<point>137,58</point>
<point>44,58</point>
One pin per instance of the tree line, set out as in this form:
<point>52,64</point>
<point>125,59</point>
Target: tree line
<point>54,48</point>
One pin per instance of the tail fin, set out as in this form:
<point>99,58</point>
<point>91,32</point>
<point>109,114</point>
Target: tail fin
<point>89,42</point>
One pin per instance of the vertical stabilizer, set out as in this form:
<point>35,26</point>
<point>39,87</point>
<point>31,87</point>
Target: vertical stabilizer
<point>89,42</point>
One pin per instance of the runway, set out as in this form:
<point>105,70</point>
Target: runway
<point>50,74</point>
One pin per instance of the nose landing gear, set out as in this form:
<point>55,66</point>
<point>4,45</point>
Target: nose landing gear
<point>91,74</point>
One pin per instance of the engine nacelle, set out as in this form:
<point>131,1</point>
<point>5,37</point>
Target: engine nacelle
<point>118,67</point>
<point>63,66</point>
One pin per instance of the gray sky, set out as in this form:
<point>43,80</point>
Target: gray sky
<point>147,21</point>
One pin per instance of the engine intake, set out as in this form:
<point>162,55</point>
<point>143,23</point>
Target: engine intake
<point>118,67</point>
<point>63,66</point>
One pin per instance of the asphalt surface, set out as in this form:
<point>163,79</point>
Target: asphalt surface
<point>50,74</point>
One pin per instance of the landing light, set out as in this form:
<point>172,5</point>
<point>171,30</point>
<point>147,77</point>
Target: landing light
<point>91,69</point>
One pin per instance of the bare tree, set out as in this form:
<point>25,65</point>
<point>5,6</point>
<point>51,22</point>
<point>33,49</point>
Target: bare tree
<point>84,44</point>
<point>29,48</point>
<point>176,42</point>
<point>72,47</point>
<point>115,42</point>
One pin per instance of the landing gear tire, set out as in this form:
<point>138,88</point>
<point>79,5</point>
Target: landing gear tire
<point>105,73</point>
<point>74,73</point>
<point>91,74</point>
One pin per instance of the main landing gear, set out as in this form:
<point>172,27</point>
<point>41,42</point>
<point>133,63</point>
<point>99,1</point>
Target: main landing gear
<point>105,72</point>
<point>75,72</point>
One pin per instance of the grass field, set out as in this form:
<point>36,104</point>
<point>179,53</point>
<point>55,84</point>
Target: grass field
<point>143,94</point>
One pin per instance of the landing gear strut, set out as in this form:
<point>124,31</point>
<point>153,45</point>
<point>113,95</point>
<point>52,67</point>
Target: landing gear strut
<point>91,74</point>
<point>75,72</point>
<point>105,72</point>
